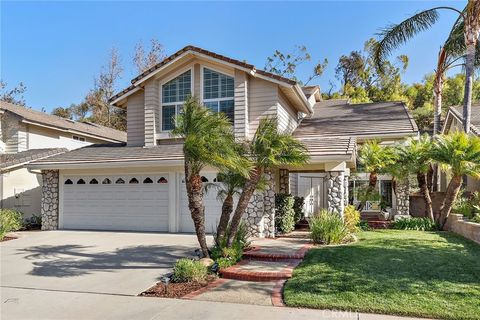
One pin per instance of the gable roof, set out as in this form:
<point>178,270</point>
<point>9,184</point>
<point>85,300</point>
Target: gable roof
<point>457,112</point>
<point>58,123</point>
<point>249,68</point>
<point>338,118</point>
<point>13,160</point>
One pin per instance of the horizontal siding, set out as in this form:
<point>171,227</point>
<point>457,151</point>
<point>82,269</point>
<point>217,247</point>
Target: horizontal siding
<point>263,100</point>
<point>287,117</point>
<point>241,105</point>
<point>151,111</point>
<point>136,119</point>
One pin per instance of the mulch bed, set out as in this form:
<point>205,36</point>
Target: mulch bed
<point>7,238</point>
<point>175,290</point>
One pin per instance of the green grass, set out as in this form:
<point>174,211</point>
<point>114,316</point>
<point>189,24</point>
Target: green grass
<point>425,274</point>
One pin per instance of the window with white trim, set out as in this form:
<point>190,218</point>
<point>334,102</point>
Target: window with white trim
<point>218,92</point>
<point>174,94</point>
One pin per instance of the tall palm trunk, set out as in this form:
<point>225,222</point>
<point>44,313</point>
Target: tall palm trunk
<point>471,33</point>
<point>245,196</point>
<point>450,196</point>
<point>438,92</point>
<point>227,208</point>
<point>422,184</point>
<point>193,183</point>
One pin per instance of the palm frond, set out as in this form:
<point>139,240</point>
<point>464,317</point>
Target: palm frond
<point>393,36</point>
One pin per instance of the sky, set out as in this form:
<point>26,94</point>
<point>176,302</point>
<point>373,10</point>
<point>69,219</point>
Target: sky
<point>57,48</point>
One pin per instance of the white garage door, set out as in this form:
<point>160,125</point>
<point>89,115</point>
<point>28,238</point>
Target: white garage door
<point>122,202</point>
<point>213,207</point>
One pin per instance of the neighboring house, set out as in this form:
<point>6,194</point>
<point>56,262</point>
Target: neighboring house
<point>454,122</point>
<point>27,135</point>
<point>140,186</point>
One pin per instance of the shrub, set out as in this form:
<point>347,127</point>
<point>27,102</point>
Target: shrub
<point>363,225</point>
<point>327,228</point>
<point>10,220</point>
<point>468,206</point>
<point>421,224</point>
<point>284,213</point>
<point>187,270</point>
<point>298,204</point>
<point>228,256</point>
<point>351,217</point>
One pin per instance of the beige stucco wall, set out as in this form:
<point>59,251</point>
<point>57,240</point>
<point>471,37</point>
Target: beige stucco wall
<point>469,230</point>
<point>21,190</point>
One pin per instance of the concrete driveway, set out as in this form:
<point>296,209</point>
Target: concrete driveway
<point>119,263</point>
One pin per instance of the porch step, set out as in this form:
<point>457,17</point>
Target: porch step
<point>302,225</point>
<point>253,270</point>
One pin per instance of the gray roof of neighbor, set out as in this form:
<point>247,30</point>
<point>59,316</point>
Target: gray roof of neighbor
<point>475,117</point>
<point>338,118</point>
<point>64,124</point>
<point>8,160</point>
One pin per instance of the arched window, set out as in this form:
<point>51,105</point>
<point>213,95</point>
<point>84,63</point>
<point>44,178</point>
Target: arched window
<point>204,179</point>
<point>148,180</point>
<point>162,180</point>
<point>120,181</point>
<point>81,181</point>
<point>106,181</point>
<point>133,181</point>
<point>174,94</point>
<point>68,181</point>
<point>93,181</point>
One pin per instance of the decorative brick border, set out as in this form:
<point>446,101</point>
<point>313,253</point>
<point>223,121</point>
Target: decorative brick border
<point>208,287</point>
<point>277,294</point>
<point>235,273</point>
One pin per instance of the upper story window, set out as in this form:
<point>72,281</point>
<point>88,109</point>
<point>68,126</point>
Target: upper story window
<point>174,94</point>
<point>218,92</point>
<point>78,138</point>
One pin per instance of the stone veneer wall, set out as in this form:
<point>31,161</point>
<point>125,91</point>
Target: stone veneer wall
<point>336,181</point>
<point>284,181</point>
<point>260,213</point>
<point>468,229</point>
<point>346,192</point>
<point>49,209</point>
<point>403,198</point>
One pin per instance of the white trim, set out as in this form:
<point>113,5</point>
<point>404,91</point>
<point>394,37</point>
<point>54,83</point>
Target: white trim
<point>164,81</point>
<point>126,94</point>
<point>148,76</point>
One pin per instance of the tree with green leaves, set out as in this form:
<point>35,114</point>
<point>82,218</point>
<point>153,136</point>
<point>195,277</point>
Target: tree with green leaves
<point>285,64</point>
<point>414,157</point>
<point>459,154</point>
<point>454,49</point>
<point>208,141</point>
<point>375,158</point>
<point>268,149</point>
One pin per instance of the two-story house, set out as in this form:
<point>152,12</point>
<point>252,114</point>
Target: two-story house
<point>27,135</point>
<point>141,186</point>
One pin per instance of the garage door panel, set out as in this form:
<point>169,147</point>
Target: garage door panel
<point>128,206</point>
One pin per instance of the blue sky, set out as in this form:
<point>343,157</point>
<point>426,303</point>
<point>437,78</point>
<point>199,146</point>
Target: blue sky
<point>56,48</point>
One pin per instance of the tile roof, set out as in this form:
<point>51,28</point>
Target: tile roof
<point>475,117</point>
<point>64,124</point>
<point>120,153</point>
<point>207,53</point>
<point>338,118</point>
<point>13,159</point>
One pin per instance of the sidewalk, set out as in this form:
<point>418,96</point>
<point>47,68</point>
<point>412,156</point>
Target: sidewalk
<point>22,304</point>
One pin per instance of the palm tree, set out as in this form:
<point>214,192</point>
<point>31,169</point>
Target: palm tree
<point>375,159</point>
<point>413,157</point>
<point>459,153</point>
<point>208,141</point>
<point>454,48</point>
<point>229,184</point>
<point>268,149</point>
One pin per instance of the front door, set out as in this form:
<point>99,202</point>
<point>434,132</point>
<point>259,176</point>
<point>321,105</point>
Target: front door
<point>313,190</point>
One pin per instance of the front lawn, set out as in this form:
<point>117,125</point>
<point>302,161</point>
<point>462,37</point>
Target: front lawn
<point>429,274</point>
